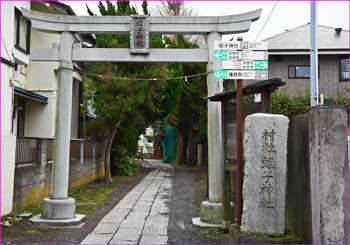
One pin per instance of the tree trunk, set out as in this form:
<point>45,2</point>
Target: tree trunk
<point>189,149</point>
<point>182,149</point>
<point>108,176</point>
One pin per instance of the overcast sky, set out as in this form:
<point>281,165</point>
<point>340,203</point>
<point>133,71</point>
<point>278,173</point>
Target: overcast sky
<point>287,15</point>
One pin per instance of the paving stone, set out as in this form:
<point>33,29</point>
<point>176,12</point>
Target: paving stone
<point>155,231</point>
<point>97,239</point>
<point>142,204</point>
<point>158,221</point>
<point>136,222</point>
<point>142,213</point>
<point>134,214</point>
<point>154,239</point>
<point>128,234</point>
<point>147,199</point>
<point>125,205</point>
<point>122,242</point>
<point>106,228</point>
<point>116,215</point>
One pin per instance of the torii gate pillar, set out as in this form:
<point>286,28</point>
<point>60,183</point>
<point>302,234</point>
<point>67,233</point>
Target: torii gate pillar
<point>211,209</point>
<point>59,208</point>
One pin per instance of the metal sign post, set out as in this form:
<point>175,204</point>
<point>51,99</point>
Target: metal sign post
<point>239,160</point>
<point>239,60</point>
<point>313,55</point>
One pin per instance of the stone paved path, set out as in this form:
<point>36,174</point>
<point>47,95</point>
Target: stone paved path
<point>142,216</point>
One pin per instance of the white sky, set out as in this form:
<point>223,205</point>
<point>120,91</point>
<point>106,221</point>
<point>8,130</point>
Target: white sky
<point>287,14</point>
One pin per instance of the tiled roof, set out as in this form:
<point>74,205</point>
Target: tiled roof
<point>299,39</point>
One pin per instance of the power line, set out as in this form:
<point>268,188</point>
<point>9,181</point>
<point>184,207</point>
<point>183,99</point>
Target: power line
<point>273,8</point>
<point>146,79</point>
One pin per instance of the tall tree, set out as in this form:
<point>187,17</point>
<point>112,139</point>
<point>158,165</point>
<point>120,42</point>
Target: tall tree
<point>190,114</point>
<point>120,102</point>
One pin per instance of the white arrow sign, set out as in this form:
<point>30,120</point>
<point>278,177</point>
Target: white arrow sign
<point>241,55</point>
<point>241,65</point>
<point>248,75</point>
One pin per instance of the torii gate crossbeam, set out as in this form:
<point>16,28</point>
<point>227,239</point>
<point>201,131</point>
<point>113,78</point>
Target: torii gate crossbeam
<point>59,206</point>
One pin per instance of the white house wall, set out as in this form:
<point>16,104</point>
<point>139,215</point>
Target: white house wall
<point>8,138</point>
<point>8,142</point>
<point>39,117</point>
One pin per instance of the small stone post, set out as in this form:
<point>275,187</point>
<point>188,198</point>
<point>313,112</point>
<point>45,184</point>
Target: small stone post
<point>211,210</point>
<point>265,175</point>
<point>199,154</point>
<point>81,151</point>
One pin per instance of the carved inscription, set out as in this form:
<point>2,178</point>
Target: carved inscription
<point>139,34</point>
<point>268,165</point>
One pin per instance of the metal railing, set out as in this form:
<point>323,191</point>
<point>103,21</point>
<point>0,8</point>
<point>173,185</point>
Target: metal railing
<point>74,151</point>
<point>49,149</point>
<point>28,150</point>
<point>88,149</point>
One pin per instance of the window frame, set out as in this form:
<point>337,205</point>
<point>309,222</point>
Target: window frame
<point>309,77</point>
<point>342,80</point>
<point>18,15</point>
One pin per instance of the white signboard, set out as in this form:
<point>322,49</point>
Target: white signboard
<point>240,74</point>
<point>239,45</point>
<point>240,55</point>
<point>254,75</point>
<point>241,65</point>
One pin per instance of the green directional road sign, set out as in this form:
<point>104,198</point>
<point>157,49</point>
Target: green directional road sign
<point>220,74</point>
<point>261,65</point>
<point>220,55</point>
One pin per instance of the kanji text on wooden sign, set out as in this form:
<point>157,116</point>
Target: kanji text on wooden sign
<point>240,45</point>
<point>240,60</point>
<point>139,34</point>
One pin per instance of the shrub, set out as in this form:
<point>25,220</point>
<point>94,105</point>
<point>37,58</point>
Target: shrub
<point>123,162</point>
<point>285,105</point>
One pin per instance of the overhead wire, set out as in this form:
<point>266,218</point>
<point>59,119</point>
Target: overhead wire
<point>146,79</point>
<point>273,8</point>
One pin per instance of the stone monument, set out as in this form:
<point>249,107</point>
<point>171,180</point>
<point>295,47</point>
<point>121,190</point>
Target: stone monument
<point>265,172</point>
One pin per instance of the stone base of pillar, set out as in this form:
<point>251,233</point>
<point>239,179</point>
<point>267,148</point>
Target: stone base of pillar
<point>58,212</point>
<point>58,208</point>
<point>211,212</point>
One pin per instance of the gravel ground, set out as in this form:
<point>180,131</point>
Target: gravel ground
<point>23,232</point>
<point>189,190</point>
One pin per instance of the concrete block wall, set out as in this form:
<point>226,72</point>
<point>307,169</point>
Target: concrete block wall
<point>329,84</point>
<point>317,186</point>
<point>33,183</point>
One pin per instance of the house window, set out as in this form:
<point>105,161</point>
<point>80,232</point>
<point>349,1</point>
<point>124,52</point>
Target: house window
<point>22,32</point>
<point>300,71</point>
<point>344,70</point>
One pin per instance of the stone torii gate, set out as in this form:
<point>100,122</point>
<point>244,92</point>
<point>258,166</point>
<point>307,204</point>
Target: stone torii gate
<point>59,206</point>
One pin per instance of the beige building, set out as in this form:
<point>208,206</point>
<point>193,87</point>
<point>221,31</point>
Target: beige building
<point>289,59</point>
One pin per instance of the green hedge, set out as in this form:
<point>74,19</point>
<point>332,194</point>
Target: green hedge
<point>285,105</point>
<point>289,106</point>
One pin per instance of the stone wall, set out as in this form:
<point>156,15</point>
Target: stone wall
<point>33,183</point>
<point>329,83</point>
<point>317,176</point>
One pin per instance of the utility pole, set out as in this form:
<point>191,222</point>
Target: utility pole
<point>313,54</point>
